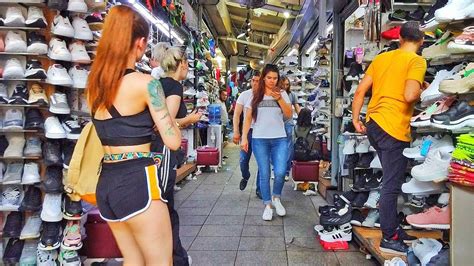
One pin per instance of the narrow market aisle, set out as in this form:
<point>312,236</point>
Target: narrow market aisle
<point>221,225</point>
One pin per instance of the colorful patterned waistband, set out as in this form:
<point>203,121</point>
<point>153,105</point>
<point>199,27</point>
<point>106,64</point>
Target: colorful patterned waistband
<point>157,157</point>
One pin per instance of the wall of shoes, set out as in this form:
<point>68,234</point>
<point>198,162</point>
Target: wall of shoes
<point>45,53</point>
<point>442,118</point>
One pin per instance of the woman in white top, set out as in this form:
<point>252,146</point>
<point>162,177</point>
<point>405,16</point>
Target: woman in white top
<point>269,108</point>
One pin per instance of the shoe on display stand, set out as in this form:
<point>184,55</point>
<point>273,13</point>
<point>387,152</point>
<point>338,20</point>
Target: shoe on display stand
<point>62,27</point>
<point>32,228</point>
<point>77,6</point>
<point>455,10</point>
<point>433,218</point>
<point>13,69</point>
<point>58,50</point>
<point>416,187</point>
<point>35,18</point>
<point>14,16</point>
<point>57,75</point>
<point>15,42</point>
<point>81,29</point>
<point>34,70</point>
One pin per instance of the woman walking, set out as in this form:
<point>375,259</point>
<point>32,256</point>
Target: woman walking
<point>268,108</point>
<point>126,107</point>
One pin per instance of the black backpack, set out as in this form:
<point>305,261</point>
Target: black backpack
<point>307,148</point>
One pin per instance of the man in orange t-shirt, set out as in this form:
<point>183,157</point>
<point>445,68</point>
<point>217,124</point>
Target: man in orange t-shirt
<point>397,80</point>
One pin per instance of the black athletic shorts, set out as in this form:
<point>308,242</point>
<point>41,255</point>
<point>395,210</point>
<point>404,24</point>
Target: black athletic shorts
<point>126,188</point>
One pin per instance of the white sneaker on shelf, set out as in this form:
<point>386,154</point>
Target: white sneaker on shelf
<point>77,6</point>
<point>57,75</point>
<point>13,119</point>
<point>373,199</point>
<point>59,104</point>
<point>53,128</point>
<point>343,233</point>
<point>13,69</point>
<point>455,10</point>
<point>416,187</point>
<point>79,53</point>
<point>349,147</point>
<point>62,26</point>
<point>376,164</point>
<point>363,146</point>
<point>36,18</point>
<point>58,50</point>
<point>267,214</point>
<point>30,174</point>
<point>15,42</point>
<point>432,93</point>
<point>14,17</point>
<point>32,228</point>
<point>81,29</point>
<point>13,174</point>
<point>434,168</point>
<point>16,143</point>
<point>415,151</point>
<point>51,211</point>
<point>280,210</point>
<point>79,76</point>
<point>11,198</point>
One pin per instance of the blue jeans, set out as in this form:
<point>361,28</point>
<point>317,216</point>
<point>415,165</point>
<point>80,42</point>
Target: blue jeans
<point>245,160</point>
<point>275,150</point>
<point>289,136</point>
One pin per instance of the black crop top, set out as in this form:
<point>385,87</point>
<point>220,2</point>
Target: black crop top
<point>127,130</point>
<point>173,87</point>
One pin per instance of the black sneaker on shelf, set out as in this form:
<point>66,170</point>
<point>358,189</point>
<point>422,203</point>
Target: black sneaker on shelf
<point>336,216</point>
<point>20,95</point>
<point>13,225</point>
<point>430,17</point>
<point>72,209</point>
<point>339,203</point>
<point>457,116</point>
<point>243,184</point>
<point>393,246</point>
<point>54,180</point>
<point>355,71</point>
<point>32,200</point>
<point>365,159</point>
<point>68,149</point>
<point>375,182</point>
<point>348,196</point>
<point>403,236</point>
<point>417,202</point>
<point>3,144</point>
<point>34,70</point>
<point>362,180</point>
<point>351,161</point>
<point>418,14</point>
<point>50,236</point>
<point>34,120</point>
<point>398,15</point>
<point>52,153</point>
<point>360,199</point>
<point>357,218</point>
<point>72,128</point>
<point>13,250</point>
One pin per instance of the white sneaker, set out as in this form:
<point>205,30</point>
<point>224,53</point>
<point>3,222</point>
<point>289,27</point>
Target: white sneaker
<point>51,211</point>
<point>444,145</point>
<point>46,257</point>
<point>13,174</point>
<point>13,69</point>
<point>349,147</point>
<point>416,187</point>
<point>79,76</point>
<point>432,93</point>
<point>36,18</point>
<point>14,17</point>
<point>30,174</point>
<point>81,29</point>
<point>16,143</point>
<point>37,95</point>
<point>373,199</point>
<point>57,75</point>
<point>79,53</point>
<point>58,50</point>
<point>15,42</point>
<point>32,227</point>
<point>343,233</point>
<point>13,119</point>
<point>62,26</point>
<point>53,128</point>
<point>280,210</point>
<point>415,151</point>
<point>455,10</point>
<point>267,214</point>
<point>376,164</point>
<point>11,198</point>
<point>77,6</point>
<point>36,44</point>
<point>434,168</point>
<point>426,248</point>
<point>190,92</point>
<point>59,104</point>
<point>33,147</point>
<point>363,146</point>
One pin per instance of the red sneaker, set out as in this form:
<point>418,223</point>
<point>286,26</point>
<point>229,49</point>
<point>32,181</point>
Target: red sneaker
<point>392,34</point>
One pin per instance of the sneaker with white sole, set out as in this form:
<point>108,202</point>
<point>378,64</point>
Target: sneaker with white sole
<point>416,187</point>
<point>34,70</point>
<point>30,174</point>
<point>343,233</point>
<point>72,128</point>
<point>46,257</point>
<point>79,77</point>
<point>69,258</point>
<point>267,214</point>
<point>432,93</point>
<point>81,29</point>
<point>37,44</point>
<point>363,146</point>
<point>53,128</point>
<point>372,217</point>
<point>13,69</point>
<point>79,53</point>
<point>77,6</point>
<point>434,168</point>
<point>62,26</point>
<point>36,18</point>
<point>11,198</point>
<point>51,211</point>
<point>15,42</point>
<point>37,95</point>
<point>3,93</point>
<point>455,10</point>
<point>13,119</point>
<point>349,147</point>
<point>33,147</point>
<point>16,143</point>
<point>59,104</point>
<point>57,75</point>
<point>58,50</point>
<point>373,200</point>
<point>439,49</point>
<point>32,227</point>
<point>13,174</point>
<point>19,95</point>
<point>14,17</point>
<point>72,239</point>
<point>280,210</point>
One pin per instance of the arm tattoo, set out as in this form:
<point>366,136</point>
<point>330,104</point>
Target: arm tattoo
<point>165,116</point>
<point>169,130</point>
<point>156,94</point>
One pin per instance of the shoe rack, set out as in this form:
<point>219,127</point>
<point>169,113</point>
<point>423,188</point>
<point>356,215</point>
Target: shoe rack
<point>74,94</point>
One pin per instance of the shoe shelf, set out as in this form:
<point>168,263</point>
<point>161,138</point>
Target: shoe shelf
<point>23,79</point>
<point>21,28</point>
<point>21,158</point>
<point>25,2</point>
<point>24,54</point>
<point>18,131</point>
<point>369,241</point>
<point>4,105</point>
<point>396,23</point>
<point>454,58</point>
<point>402,4</point>
<point>430,129</point>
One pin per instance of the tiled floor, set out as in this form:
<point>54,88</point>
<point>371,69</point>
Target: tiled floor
<point>221,225</point>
